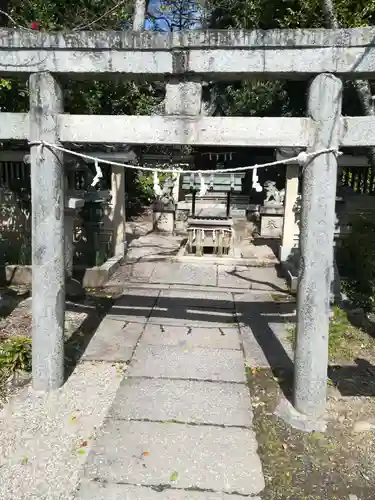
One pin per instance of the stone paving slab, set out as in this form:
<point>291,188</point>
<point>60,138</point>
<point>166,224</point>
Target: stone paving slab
<point>130,314</point>
<point>153,246</point>
<point>255,278</point>
<point>230,278</point>
<point>113,341</point>
<point>193,317</point>
<point>184,401</point>
<point>138,297</point>
<point>136,272</point>
<point>185,274</point>
<point>204,457</point>
<point>113,491</point>
<point>185,336</point>
<point>267,345</point>
<point>195,298</point>
<point>192,363</point>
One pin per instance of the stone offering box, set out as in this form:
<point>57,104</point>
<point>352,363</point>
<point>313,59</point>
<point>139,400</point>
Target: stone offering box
<point>207,230</point>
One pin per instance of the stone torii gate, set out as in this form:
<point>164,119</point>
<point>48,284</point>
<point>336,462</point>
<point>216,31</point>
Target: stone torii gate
<point>184,60</point>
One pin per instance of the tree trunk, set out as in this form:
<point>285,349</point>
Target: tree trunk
<point>362,87</point>
<point>139,15</point>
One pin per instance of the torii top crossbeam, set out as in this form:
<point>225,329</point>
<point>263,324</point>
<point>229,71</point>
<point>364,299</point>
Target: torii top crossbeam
<point>233,54</point>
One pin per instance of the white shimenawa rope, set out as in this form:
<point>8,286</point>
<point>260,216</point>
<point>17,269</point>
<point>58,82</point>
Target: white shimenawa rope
<point>302,159</point>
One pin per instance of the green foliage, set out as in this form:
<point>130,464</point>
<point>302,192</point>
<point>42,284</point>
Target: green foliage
<point>71,14</point>
<point>356,261</point>
<point>344,340</point>
<point>272,98</point>
<point>15,354</point>
<point>114,97</point>
<point>141,190</point>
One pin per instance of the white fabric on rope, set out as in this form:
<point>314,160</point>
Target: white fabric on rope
<point>99,174</point>
<point>203,187</point>
<point>302,159</point>
<point>176,184</point>
<point>157,188</point>
<point>258,188</point>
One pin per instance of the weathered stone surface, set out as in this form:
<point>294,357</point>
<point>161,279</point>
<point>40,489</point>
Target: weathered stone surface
<point>192,317</point>
<point>357,131</point>
<point>47,195</point>
<point>254,278</point>
<point>134,273</point>
<point>113,341</point>
<point>191,363</point>
<point>316,244</point>
<point>195,298</point>
<point>205,457</point>
<point>266,345</point>
<point>152,247</point>
<point>163,221</point>
<point>137,297</point>
<point>245,53</point>
<point>112,491</point>
<point>272,226</point>
<point>186,336</point>
<point>185,274</point>
<point>184,401</point>
<point>183,98</point>
<point>229,277</point>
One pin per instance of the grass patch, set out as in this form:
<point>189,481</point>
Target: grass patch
<point>345,340</point>
<point>15,354</point>
<point>302,466</point>
<point>278,297</point>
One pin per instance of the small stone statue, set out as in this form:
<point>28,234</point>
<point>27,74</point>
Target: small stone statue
<point>167,192</point>
<point>273,195</point>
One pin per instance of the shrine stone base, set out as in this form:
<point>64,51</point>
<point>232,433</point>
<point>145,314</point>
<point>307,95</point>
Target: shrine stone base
<point>164,218</point>
<point>271,221</point>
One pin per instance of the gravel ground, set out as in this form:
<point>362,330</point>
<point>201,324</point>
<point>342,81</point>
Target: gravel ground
<point>45,439</point>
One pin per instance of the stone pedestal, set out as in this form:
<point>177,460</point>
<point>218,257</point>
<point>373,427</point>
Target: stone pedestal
<point>271,221</point>
<point>118,208</point>
<point>72,205</point>
<point>163,217</point>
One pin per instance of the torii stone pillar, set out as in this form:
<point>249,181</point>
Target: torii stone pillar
<point>316,246</point>
<point>47,197</point>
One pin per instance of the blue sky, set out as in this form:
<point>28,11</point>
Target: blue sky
<point>156,8</point>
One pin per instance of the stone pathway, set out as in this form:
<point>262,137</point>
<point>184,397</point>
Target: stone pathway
<point>180,426</point>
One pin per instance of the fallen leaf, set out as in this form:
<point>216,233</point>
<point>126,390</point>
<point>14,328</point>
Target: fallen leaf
<point>81,452</point>
<point>25,461</point>
<point>145,454</point>
<point>285,446</point>
<point>316,435</point>
<point>186,350</point>
<point>84,444</point>
<point>174,476</point>
<point>73,419</point>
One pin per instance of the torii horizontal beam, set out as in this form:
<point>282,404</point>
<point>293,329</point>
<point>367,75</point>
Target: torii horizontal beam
<point>234,54</point>
<point>356,131</point>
